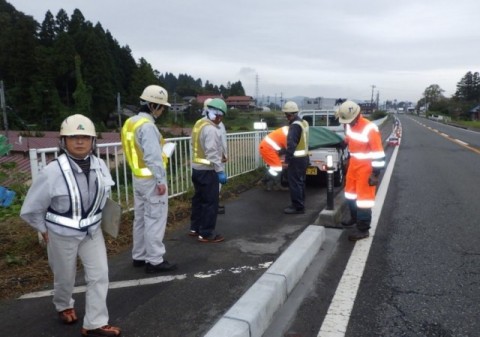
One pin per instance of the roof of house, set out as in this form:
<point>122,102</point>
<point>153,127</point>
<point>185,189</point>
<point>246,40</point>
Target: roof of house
<point>239,99</point>
<point>22,143</point>
<point>19,154</point>
<point>202,98</point>
<point>475,109</point>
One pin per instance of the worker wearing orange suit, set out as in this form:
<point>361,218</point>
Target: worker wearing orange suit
<point>367,159</point>
<point>271,148</point>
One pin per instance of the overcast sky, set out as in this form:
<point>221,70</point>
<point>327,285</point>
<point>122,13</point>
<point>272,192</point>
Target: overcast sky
<point>309,48</point>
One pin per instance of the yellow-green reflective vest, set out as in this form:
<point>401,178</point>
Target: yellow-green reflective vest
<point>132,151</point>
<point>198,153</point>
<point>302,147</point>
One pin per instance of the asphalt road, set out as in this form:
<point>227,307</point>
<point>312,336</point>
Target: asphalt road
<point>209,280</point>
<point>422,274</point>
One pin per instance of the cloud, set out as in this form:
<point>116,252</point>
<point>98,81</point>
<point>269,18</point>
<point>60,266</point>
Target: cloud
<point>306,47</point>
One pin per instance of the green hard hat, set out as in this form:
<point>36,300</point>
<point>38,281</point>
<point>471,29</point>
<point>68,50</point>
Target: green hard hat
<point>219,104</point>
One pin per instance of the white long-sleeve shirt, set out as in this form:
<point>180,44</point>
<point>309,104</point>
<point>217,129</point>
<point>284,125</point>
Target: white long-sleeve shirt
<point>50,189</point>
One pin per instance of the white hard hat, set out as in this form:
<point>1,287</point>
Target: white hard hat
<point>208,100</point>
<point>348,111</point>
<point>77,125</point>
<point>290,107</point>
<point>155,94</point>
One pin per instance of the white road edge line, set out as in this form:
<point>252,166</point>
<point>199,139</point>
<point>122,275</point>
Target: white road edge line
<point>338,315</point>
<point>154,280</point>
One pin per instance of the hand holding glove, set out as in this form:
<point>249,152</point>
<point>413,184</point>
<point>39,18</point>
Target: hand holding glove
<point>222,178</point>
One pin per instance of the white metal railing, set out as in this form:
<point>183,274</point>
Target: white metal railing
<point>243,157</point>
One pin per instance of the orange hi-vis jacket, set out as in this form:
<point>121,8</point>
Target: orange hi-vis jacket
<point>269,147</point>
<point>366,155</point>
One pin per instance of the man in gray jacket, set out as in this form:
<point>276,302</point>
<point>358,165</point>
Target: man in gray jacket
<point>65,204</point>
<point>142,145</point>
<point>207,172</point>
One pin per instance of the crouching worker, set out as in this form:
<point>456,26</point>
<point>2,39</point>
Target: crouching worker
<point>65,205</point>
<point>271,147</point>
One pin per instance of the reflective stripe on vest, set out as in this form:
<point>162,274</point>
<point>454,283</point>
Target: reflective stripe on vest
<point>77,219</point>
<point>132,150</point>
<point>273,143</point>
<point>362,137</point>
<point>198,153</point>
<point>302,147</point>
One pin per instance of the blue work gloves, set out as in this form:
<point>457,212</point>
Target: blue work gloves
<point>222,178</point>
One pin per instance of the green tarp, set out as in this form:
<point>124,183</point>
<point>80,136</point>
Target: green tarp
<point>322,137</point>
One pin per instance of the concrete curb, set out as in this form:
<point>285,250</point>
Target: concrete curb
<point>332,218</point>
<point>251,315</point>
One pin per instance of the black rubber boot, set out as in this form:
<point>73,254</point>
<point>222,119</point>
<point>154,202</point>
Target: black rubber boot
<point>358,235</point>
<point>361,232</point>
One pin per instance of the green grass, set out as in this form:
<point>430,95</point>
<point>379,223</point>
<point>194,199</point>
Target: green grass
<point>471,124</point>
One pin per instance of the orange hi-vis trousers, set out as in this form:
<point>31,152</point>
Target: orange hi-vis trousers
<point>356,185</point>
<point>270,155</point>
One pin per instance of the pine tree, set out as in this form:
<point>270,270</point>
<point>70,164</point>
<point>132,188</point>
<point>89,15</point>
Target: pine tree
<point>83,93</point>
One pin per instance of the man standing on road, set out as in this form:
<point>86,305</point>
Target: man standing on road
<point>207,172</point>
<point>223,134</point>
<point>270,149</point>
<point>142,145</point>
<point>65,204</point>
<point>296,158</point>
<point>367,159</point>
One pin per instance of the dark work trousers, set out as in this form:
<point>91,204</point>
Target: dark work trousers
<point>204,202</point>
<point>297,168</point>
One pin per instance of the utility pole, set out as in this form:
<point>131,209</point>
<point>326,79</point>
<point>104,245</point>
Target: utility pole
<point>4,109</point>
<point>371,101</point>
<point>256,91</point>
<point>119,111</point>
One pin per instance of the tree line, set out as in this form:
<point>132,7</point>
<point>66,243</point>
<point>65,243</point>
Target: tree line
<point>66,65</point>
<point>466,97</point>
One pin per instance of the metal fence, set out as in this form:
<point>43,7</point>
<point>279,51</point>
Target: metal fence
<point>243,157</point>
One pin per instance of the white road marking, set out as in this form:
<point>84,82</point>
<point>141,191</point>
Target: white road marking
<point>338,315</point>
<point>234,270</point>
<point>461,142</point>
<point>154,280</point>
<point>455,140</point>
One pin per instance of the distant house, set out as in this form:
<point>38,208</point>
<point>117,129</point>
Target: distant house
<point>475,113</point>
<point>179,107</point>
<point>202,98</point>
<point>367,108</point>
<point>240,102</point>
